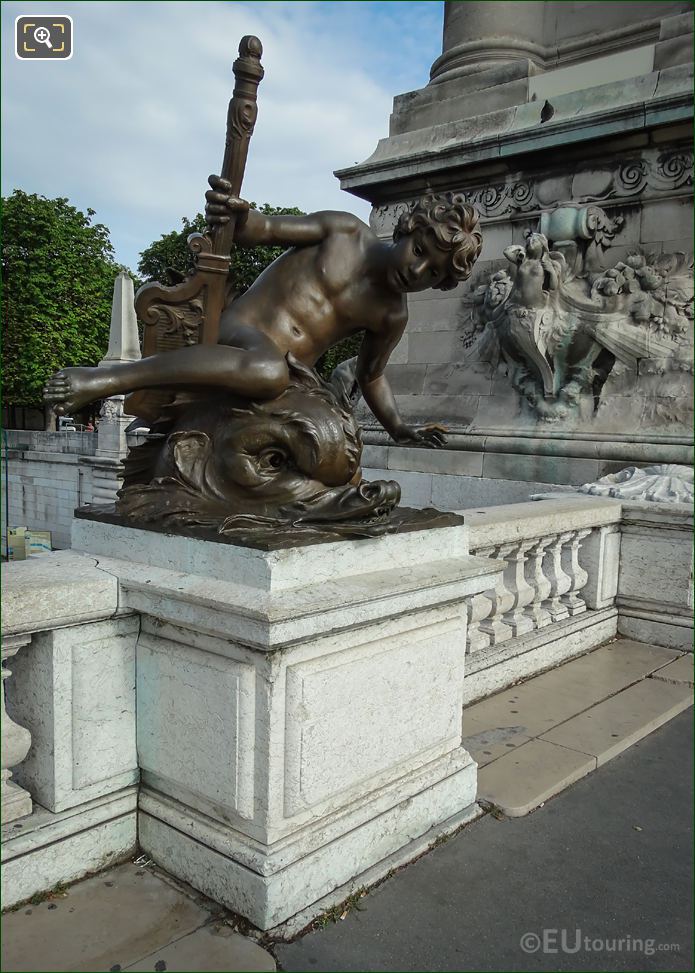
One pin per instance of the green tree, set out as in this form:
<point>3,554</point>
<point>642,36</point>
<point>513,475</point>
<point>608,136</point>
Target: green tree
<point>347,348</point>
<point>168,259</point>
<point>57,274</point>
<point>170,252</point>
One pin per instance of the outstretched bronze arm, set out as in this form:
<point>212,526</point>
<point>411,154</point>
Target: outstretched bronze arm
<point>378,395</point>
<point>253,229</point>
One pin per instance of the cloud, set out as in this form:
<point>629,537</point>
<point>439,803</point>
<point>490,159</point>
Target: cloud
<point>134,122</point>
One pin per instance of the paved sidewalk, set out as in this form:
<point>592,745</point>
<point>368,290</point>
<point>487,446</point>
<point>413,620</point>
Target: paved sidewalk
<point>533,740</point>
<point>611,857</point>
<point>127,918</point>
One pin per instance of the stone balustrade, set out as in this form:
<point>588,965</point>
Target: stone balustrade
<point>16,741</point>
<point>561,561</point>
<point>544,578</point>
<point>540,585</point>
<point>69,762</point>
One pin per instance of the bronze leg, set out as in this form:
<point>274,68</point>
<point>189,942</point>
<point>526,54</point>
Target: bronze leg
<point>253,368</point>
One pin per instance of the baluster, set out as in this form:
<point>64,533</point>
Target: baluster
<point>559,581</point>
<point>601,554</point>
<point>501,599</point>
<point>522,593</point>
<point>539,582</point>
<point>16,740</point>
<point>480,608</point>
<point>578,576</point>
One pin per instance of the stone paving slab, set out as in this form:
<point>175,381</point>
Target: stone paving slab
<point>213,948</point>
<point>521,781</point>
<point>612,726</point>
<point>529,710</point>
<point>612,667</point>
<point>597,706</point>
<point>680,671</point>
<point>487,745</point>
<point>115,920</point>
<point>525,711</point>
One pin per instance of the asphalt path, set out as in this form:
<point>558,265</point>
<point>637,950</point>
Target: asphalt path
<point>600,878</point>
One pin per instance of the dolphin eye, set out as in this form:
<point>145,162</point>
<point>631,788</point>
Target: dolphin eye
<point>272,459</point>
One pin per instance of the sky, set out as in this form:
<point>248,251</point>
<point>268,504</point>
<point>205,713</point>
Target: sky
<point>132,125</point>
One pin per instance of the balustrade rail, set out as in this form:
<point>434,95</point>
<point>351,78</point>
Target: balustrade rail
<point>561,559</point>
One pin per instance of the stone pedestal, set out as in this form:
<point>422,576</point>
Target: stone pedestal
<point>70,736</point>
<point>112,447</point>
<point>655,590</point>
<point>298,710</point>
<point>75,688</point>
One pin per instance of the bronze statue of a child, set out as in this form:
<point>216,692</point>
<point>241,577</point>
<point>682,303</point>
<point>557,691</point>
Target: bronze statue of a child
<point>337,278</point>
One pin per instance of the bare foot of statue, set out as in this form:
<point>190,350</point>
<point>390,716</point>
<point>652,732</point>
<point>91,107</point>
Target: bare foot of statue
<point>71,388</point>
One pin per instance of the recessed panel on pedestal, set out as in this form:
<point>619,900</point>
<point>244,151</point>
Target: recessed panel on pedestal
<point>195,726</point>
<point>382,707</point>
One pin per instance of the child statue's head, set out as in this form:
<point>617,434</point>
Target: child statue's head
<point>454,225</point>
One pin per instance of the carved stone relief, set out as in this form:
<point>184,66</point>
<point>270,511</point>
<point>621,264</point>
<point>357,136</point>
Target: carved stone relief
<point>561,320</point>
<point>655,173</point>
<point>663,173</point>
<point>663,483</point>
<point>112,409</point>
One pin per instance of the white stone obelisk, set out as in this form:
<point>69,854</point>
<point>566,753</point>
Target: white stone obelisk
<point>124,346</point>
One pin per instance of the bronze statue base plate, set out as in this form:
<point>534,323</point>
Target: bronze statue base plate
<point>403,520</point>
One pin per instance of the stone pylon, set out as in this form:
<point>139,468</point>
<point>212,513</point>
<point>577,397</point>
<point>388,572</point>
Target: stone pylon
<point>124,346</point>
<point>124,343</point>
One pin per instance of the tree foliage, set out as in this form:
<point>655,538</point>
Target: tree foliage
<point>340,352</point>
<point>170,252</point>
<point>57,273</point>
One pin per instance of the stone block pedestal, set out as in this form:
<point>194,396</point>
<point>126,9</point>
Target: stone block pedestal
<point>298,710</point>
<point>69,725</point>
<point>655,588</point>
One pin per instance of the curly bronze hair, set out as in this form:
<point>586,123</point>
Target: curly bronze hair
<point>455,227</point>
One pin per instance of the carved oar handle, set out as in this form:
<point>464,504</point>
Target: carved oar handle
<point>241,118</point>
<point>193,308</point>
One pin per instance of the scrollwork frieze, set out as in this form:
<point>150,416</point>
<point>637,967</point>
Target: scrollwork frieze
<point>666,172</point>
<point>653,174</point>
